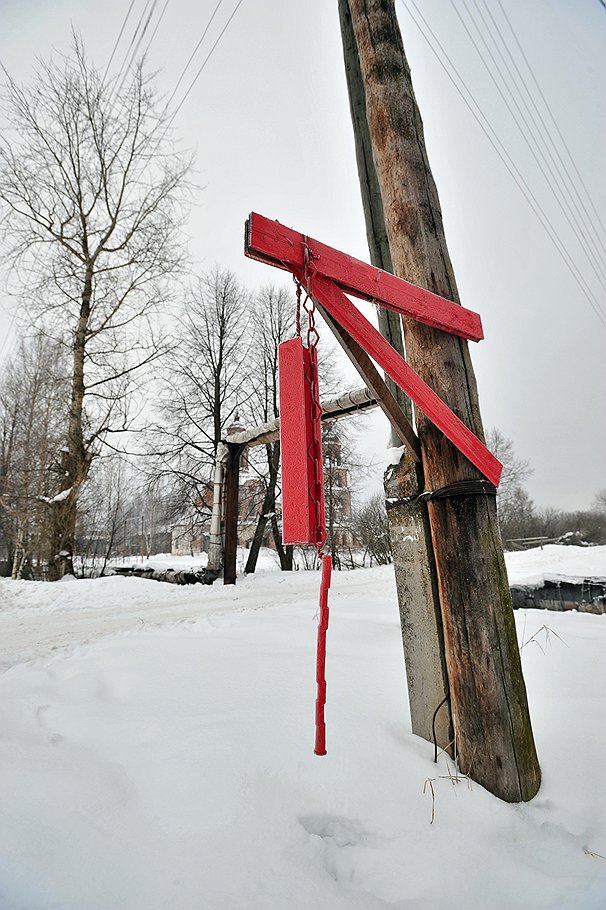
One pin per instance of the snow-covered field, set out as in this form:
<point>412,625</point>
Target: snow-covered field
<point>156,751</point>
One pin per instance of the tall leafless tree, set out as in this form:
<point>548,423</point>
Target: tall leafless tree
<point>92,193</point>
<point>205,381</point>
<point>273,322</point>
<point>515,470</point>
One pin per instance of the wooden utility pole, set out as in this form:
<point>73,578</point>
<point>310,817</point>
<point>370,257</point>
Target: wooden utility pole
<point>493,735</point>
<point>409,531</point>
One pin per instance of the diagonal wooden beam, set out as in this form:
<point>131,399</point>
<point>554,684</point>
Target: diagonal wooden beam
<point>271,242</point>
<point>341,309</point>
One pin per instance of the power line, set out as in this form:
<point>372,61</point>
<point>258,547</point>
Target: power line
<point>568,209</point>
<point>138,44</point>
<point>193,53</point>
<point>117,41</point>
<point>160,18</point>
<point>209,55</point>
<point>128,57</point>
<point>551,116</point>
<point>501,151</point>
<point>567,182</point>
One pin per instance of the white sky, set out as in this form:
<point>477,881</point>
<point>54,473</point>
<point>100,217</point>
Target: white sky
<point>270,120</point>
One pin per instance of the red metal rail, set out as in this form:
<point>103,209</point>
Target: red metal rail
<point>320,747</point>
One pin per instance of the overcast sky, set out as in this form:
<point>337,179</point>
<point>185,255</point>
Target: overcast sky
<point>270,121</point>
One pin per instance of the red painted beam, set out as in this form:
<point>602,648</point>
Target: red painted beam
<point>272,242</point>
<point>329,297</point>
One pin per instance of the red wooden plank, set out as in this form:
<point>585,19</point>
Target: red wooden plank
<point>301,447</point>
<point>333,300</point>
<point>272,242</point>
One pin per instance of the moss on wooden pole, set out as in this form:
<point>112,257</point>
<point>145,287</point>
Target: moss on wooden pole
<point>494,740</point>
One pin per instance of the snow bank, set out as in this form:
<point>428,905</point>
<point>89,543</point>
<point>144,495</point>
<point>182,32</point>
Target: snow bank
<point>532,568</point>
<point>173,766</point>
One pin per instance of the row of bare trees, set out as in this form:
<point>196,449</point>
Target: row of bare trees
<point>93,196</point>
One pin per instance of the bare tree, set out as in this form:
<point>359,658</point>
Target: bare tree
<point>343,470</point>
<point>33,410</point>
<point>92,193</point>
<point>204,384</point>
<point>599,502</point>
<point>517,516</point>
<point>273,322</point>
<point>371,527</point>
<point>515,470</point>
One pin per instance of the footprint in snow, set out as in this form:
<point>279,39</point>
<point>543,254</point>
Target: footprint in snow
<point>339,831</point>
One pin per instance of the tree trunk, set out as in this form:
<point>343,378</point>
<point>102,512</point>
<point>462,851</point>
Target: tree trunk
<point>494,740</point>
<point>232,487</point>
<point>410,536</point>
<point>285,553</point>
<point>77,461</point>
<point>268,506</point>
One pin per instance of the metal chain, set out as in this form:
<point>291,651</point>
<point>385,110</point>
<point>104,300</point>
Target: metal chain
<point>313,336</point>
<point>298,315</point>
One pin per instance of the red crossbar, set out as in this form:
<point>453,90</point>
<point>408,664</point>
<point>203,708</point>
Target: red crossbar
<point>272,242</point>
<point>329,297</point>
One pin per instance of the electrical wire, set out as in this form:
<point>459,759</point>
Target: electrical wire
<point>138,44</point>
<point>551,115</point>
<point>590,222</point>
<point>193,54</point>
<point>123,65</point>
<point>501,151</point>
<point>117,41</point>
<point>566,201</point>
<point>209,55</point>
<point>160,18</point>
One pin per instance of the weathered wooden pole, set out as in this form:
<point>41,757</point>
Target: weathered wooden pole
<point>493,733</point>
<point>412,551</point>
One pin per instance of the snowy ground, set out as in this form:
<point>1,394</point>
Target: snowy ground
<point>533,568</point>
<point>156,751</point>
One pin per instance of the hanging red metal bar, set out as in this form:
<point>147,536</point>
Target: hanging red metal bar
<point>271,242</point>
<point>303,520</point>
